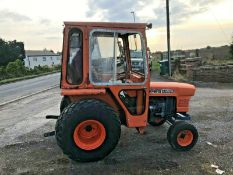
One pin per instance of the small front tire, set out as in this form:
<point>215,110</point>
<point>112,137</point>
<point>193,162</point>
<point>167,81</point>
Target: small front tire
<point>182,136</point>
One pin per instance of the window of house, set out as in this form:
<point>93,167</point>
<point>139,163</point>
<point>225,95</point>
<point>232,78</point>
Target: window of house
<point>34,59</point>
<point>44,58</point>
<point>51,58</point>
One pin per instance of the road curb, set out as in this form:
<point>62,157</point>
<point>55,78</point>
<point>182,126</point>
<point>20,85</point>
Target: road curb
<point>26,96</point>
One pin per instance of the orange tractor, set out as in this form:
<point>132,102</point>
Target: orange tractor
<point>101,91</point>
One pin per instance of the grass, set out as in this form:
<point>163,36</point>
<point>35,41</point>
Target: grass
<point>155,65</point>
<point>11,80</point>
<point>179,77</point>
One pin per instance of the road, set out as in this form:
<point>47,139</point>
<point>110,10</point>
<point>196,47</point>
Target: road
<point>24,150</point>
<point>9,92</point>
<point>12,91</point>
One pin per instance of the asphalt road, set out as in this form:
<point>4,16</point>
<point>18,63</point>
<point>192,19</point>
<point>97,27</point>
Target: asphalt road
<point>12,91</point>
<point>19,89</point>
<point>24,116</point>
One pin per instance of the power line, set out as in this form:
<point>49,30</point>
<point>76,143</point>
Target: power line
<point>219,25</point>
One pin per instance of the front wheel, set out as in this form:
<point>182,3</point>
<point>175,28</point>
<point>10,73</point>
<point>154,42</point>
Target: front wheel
<point>182,136</point>
<point>88,130</point>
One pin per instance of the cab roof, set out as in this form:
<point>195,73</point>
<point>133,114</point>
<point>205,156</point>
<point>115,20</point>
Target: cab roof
<point>108,24</point>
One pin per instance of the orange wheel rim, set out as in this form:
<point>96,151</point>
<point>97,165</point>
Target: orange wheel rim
<point>185,138</point>
<point>89,134</point>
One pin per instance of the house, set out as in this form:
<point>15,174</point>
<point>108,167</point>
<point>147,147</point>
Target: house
<point>41,58</point>
<point>176,54</point>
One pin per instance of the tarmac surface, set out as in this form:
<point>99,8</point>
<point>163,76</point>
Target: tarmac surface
<point>12,91</point>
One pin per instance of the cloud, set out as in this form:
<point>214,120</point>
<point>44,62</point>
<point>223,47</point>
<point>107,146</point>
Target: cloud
<point>6,15</point>
<point>180,10</point>
<point>52,37</point>
<point>45,21</point>
<point>115,10</point>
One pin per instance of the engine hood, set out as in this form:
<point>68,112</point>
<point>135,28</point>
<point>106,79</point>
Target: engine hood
<point>171,89</point>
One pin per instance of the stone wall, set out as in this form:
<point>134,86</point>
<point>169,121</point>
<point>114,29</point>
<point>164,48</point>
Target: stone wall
<point>189,63</point>
<point>193,70</point>
<point>220,73</point>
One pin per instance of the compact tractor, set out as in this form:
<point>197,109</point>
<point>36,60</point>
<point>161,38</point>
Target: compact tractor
<point>101,92</point>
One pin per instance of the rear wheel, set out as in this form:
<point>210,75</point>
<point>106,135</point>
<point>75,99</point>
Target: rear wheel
<point>182,136</point>
<point>89,134</point>
<point>65,101</point>
<point>88,130</point>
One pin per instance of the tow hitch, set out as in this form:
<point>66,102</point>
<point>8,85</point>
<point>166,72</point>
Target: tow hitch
<point>51,133</point>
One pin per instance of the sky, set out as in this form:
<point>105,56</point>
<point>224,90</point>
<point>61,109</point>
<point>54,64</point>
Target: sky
<point>194,23</point>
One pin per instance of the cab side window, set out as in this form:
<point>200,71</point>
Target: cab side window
<point>75,57</point>
<point>136,54</point>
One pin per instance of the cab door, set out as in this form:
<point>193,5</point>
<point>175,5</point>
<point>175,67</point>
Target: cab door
<point>118,62</point>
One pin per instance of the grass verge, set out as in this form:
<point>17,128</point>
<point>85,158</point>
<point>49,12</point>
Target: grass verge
<point>155,66</point>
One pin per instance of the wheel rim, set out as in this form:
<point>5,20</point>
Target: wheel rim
<point>185,138</point>
<point>89,134</point>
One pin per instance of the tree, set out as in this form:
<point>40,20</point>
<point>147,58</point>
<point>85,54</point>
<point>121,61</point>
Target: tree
<point>231,49</point>
<point>15,68</point>
<point>3,52</point>
<point>10,51</point>
<point>11,69</point>
<point>2,72</point>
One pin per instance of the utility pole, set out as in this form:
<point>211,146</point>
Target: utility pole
<point>133,16</point>
<point>135,40</point>
<point>168,38</point>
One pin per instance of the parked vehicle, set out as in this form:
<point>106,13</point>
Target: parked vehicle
<point>99,96</point>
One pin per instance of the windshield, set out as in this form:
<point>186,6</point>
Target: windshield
<point>111,57</point>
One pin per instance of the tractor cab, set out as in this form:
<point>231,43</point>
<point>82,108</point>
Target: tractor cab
<point>98,63</point>
<point>105,83</point>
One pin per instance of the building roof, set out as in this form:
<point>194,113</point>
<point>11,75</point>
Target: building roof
<point>40,53</point>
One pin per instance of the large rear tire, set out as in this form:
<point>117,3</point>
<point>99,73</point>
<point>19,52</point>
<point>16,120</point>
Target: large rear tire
<point>88,130</point>
<point>65,101</point>
<point>182,136</point>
